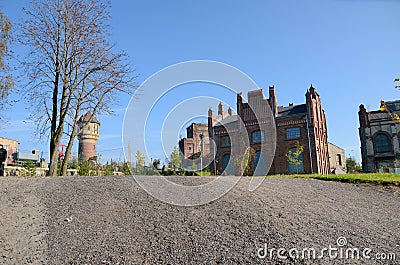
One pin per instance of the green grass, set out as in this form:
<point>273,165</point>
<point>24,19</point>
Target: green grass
<point>375,178</point>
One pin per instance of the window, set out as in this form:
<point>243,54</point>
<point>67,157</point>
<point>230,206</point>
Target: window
<point>256,159</point>
<point>225,161</point>
<point>225,141</point>
<point>339,159</point>
<point>260,164</point>
<point>292,133</point>
<point>295,161</point>
<point>257,137</point>
<point>382,143</point>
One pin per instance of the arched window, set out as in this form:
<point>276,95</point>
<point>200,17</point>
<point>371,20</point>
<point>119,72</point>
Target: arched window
<point>257,137</point>
<point>295,161</point>
<point>260,164</point>
<point>225,161</point>
<point>382,143</point>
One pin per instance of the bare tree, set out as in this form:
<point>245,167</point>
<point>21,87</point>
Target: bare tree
<point>6,81</point>
<point>72,68</point>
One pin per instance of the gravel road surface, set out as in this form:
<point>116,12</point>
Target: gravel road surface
<point>111,220</point>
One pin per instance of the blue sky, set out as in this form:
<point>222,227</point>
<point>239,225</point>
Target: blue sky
<point>348,50</point>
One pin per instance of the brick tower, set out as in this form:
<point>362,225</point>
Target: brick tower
<point>318,131</point>
<point>88,136</point>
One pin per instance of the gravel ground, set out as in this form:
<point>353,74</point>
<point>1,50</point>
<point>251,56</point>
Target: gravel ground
<point>111,220</point>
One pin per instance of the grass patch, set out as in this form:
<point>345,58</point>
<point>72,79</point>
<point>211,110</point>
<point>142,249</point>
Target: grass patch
<point>375,178</point>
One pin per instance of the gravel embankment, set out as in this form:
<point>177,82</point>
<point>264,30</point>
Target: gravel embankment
<point>111,220</point>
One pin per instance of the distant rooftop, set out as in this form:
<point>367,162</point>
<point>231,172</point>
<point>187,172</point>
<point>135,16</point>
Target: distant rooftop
<point>292,110</point>
<point>228,121</point>
<point>393,105</point>
<point>88,117</point>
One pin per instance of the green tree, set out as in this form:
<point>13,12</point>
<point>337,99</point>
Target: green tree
<point>294,156</point>
<point>156,163</point>
<point>87,168</point>
<point>126,169</point>
<point>352,165</point>
<point>108,170</point>
<point>139,162</point>
<point>397,81</point>
<point>243,162</point>
<point>30,168</point>
<point>71,67</point>
<point>74,164</point>
<point>175,160</point>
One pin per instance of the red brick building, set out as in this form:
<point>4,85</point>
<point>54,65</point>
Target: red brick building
<point>296,125</point>
<point>197,138</point>
<point>196,134</point>
<point>88,136</point>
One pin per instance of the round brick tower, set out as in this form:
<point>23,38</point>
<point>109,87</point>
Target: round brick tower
<point>88,136</point>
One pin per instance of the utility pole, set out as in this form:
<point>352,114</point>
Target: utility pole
<point>201,154</point>
<point>214,152</point>
<point>129,154</point>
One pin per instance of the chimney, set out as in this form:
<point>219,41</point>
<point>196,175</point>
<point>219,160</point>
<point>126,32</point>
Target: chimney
<point>239,104</point>
<point>220,108</point>
<point>273,101</point>
<point>230,111</point>
<point>210,112</point>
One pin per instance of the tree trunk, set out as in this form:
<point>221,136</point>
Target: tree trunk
<point>64,165</point>
<point>54,139</point>
<point>54,142</point>
<point>53,159</point>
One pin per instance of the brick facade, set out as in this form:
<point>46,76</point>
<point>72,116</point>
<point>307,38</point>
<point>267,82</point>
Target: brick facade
<point>296,125</point>
<point>190,146</point>
<point>89,129</point>
<point>12,147</point>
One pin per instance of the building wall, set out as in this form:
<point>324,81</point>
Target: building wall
<point>318,132</point>
<point>186,146</point>
<point>311,122</point>
<point>280,165</point>
<point>87,149</point>
<point>88,137</point>
<point>372,124</point>
<point>11,146</point>
<point>337,158</point>
<point>190,146</point>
